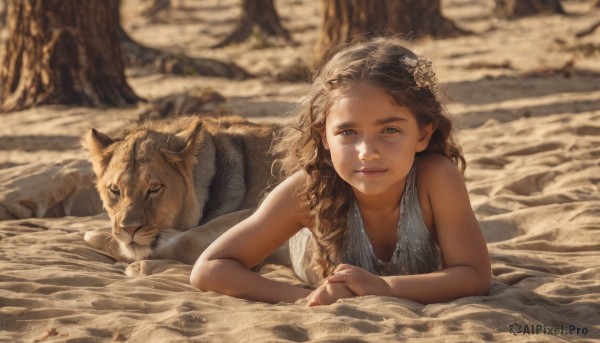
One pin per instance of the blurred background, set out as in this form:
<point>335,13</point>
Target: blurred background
<point>71,65</point>
<point>91,53</point>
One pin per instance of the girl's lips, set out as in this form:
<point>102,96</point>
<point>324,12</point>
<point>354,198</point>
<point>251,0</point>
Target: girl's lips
<point>367,170</point>
<point>371,171</point>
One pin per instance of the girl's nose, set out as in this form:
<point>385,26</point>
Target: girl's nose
<point>367,150</point>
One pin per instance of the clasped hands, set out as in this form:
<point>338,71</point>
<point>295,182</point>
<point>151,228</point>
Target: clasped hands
<point>348,281</point>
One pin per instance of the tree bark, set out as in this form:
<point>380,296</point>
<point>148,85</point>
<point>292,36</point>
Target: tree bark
<point>63,52</point>
<point>3,11</point>
<point>345,21</point>
<point>417,17</point>
<point>522,8</point>
<point>258,17</point>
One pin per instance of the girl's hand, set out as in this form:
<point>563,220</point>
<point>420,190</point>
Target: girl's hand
<point>328,293</point>
<point>359,281</point>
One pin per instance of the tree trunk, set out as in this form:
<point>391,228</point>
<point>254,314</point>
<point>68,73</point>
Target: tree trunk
<point>522,8</point>
<point>418,17</point>
<point>258,17</point>
<point>345,21</point>
<point>63,52</point>
<point>3,11</point>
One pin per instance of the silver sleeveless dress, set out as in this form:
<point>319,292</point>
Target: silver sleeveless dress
<point>417,251</point>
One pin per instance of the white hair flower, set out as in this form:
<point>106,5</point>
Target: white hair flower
<point>420,68</point>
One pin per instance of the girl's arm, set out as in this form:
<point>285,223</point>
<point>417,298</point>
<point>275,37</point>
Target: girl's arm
<point>225,265</point>
<point>467,269</point>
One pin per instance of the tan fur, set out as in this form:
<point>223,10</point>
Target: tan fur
<point>163,177</point>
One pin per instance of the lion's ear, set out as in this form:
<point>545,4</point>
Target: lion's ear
<point>97,143</point>
<point>190,143</point>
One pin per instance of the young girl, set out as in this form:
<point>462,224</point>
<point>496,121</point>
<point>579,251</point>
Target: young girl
<point>374,202</point>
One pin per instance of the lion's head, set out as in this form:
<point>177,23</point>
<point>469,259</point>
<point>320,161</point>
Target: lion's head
<point>146,181</point>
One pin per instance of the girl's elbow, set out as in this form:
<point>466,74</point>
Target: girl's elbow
<point>484,285</point>
<point>201,275</point>
<point>478,283</point>
<point>481,279</point>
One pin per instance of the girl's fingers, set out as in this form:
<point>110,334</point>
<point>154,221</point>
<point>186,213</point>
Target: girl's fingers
<point>350,280</point>
<point>342,267</point>
<point>340,277</point>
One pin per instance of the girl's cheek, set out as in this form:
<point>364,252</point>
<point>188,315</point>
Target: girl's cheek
<point>350,150</point>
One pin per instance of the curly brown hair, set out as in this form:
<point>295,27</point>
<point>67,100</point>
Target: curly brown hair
<point>378,62</point>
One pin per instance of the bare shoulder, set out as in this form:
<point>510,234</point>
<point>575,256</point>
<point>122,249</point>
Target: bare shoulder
<point>291,186</point>
<point>434,170</point>
<point>437,165</point>
<point>439,182</point>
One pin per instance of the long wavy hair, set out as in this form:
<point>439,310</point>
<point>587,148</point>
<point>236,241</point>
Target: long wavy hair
<point>377,62</point>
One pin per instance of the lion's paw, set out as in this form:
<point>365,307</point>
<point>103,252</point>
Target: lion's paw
<point>103,240</point>
<point>99,238</point>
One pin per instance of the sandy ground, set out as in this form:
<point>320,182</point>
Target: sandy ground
<point>530,130</point>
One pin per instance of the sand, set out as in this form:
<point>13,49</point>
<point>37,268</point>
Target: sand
<point>530,130</point>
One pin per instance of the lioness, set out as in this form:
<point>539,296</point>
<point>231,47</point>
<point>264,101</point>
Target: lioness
<point>163,177</point>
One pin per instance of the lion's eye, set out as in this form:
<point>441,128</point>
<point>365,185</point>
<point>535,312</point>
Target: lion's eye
<point>114,189</point>
<point>154,188</point>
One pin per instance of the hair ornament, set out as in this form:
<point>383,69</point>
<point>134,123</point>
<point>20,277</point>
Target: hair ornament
<point>420,68</point>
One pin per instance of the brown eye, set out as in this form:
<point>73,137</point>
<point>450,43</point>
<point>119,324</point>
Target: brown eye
<point>114,189</point>
<point>155,188</point>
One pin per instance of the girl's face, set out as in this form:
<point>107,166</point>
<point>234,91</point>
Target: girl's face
<point>372,139</point>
